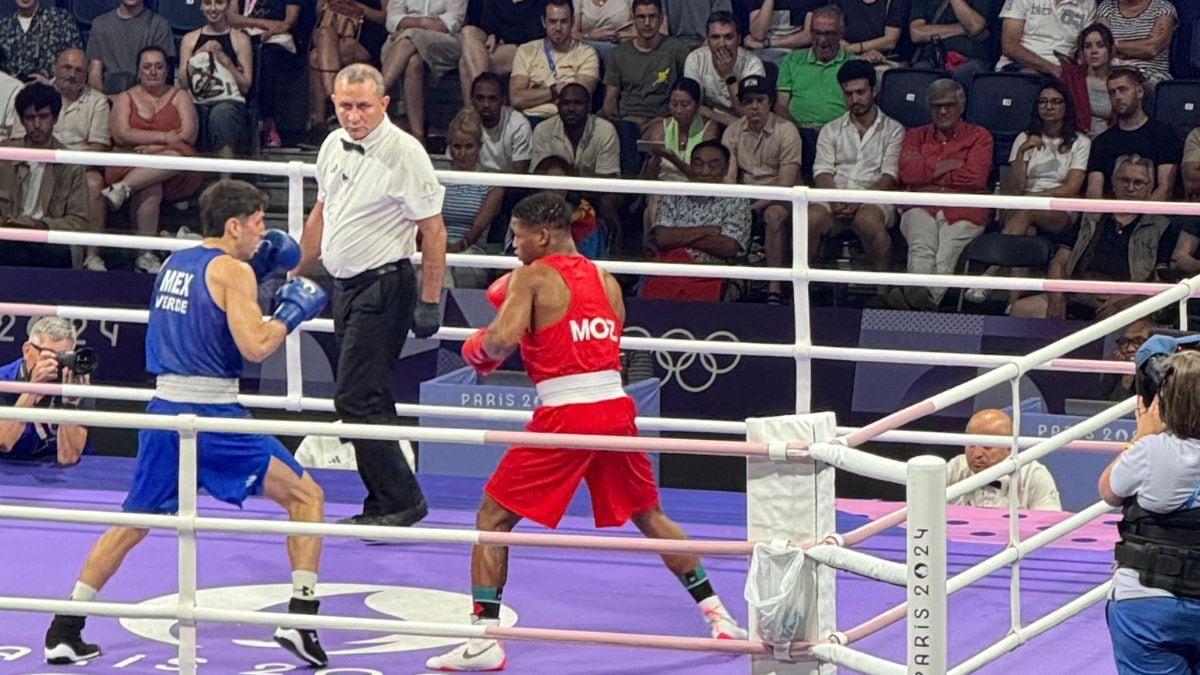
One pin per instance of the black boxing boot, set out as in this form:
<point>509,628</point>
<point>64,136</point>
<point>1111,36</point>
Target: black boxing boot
<point>302,642</point>
<point>64,641</point>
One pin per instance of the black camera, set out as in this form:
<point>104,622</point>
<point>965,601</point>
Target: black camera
<point>81,361</point>
<point>1151,360</point>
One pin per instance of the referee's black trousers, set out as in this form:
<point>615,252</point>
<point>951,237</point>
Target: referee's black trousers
<point>372,313</point>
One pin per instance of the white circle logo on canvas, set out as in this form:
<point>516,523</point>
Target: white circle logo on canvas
<point>402,602</point>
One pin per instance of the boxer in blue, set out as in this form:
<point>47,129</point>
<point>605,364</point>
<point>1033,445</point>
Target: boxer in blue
<point>204,322</point>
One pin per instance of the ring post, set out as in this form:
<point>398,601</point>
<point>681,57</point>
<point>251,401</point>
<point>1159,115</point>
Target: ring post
<point>187,545</point>
<point>794,501</point>
<point>802,321</point>
<point>926,554</point>
<point>293,342</point>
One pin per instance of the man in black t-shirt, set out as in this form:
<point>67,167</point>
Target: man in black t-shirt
<point>491,34</point>
<point>1104,247</point>
<point>1134,133</point>
<point>967,30</point>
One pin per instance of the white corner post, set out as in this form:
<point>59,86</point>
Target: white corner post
<point>292,343</point>
<point>186,519</point>
<point>794,501</point>
<point>802,319</point>
<point>926,555</point>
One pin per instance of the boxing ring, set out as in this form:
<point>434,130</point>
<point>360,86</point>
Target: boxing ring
<point>861,553</point>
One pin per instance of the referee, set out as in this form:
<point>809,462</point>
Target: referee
<point>375,190</point>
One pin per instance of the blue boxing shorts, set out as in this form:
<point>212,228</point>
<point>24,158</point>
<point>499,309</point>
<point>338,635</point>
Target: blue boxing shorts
<point>230,467</point>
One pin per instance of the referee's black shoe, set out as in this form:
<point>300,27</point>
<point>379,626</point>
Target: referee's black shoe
<point>64,642</point>
<point>302,642</point>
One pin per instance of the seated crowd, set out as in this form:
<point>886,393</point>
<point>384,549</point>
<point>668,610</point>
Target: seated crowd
<point>757,92</point>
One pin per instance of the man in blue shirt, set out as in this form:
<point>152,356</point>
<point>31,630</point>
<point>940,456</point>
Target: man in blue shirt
<point>48,337</point>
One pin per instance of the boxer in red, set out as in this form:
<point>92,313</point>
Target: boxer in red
<point>566,316</point>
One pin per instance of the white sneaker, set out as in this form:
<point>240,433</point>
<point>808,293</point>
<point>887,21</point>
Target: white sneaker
<point>186,232</point>
<point>95,263</point>
<point>474,656</point>
<point>147,262</point>
<point>722,626</point>
<point>976,296</point>
<point>115,195</point>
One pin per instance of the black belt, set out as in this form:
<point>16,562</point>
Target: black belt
<point>364,278</point>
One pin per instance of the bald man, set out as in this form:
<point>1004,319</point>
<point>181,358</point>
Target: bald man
<point>1036,490</point>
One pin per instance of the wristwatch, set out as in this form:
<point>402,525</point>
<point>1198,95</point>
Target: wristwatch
<point>731,80</point>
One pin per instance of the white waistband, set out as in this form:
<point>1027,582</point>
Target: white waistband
<point>582,388</point>
<point>196,389</point>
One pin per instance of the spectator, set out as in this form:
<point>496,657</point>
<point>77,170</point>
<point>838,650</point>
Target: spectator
<point>1185,258</point>
<point>347,31</point>
<point>955,35</point>
<point>10,126</point>
<point>765,150</point>
<point>507,136</point>
<point>812,74</point>
<point>272,22</point>
<point>37,195</point>
<point>1104,247</point>
<point>542,67</point>
<point>151,118</point>
<point>1134,132</point>
<point>49,336</point>
<point>1034,32</point>
<point>638,80</point>
<point>216,64</point>
<point>33,37</point>
<point>1143,30</point>
<point>1047,160</point>
<point>1190,166</point>
<point>1117,387</point>
<point>588,143</point>
<point>719,65</point>
<point>949,155</point>
<point>688,19</point>
<point>693,229</point>
<point>1086,77</point>
<point>1035,488</point>
<point>779,26</point>
<point>422,32</point>
<point>493,30</point>
<point>603,24</point>
<point>468,210</point>
<point>83,125</point>
<point>116,41</point>
<point>1152,609</point>
<point>858,151</point>
<point>873,28</point>
<point>678,133</point>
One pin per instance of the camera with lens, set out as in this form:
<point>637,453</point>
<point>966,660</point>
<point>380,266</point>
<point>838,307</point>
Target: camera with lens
<point>82,361</point>
<point>1151,360</point>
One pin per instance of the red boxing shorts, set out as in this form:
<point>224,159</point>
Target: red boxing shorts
<point>538,483</point>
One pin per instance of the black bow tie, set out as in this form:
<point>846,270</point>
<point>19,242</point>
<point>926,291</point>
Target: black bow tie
<point>354,147</point>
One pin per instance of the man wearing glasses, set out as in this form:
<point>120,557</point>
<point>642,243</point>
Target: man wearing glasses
<point>48,337</point>
<point>1104,247</point>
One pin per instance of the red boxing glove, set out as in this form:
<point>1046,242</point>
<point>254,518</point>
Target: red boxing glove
<point>498,290</point>
<point>475,355</point>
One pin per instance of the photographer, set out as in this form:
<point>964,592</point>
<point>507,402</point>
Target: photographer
<point>50,339</point>
<point>1154,605</point>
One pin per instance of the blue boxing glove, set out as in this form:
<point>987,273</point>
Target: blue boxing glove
<point>299,300</point>
<point>276,252</point>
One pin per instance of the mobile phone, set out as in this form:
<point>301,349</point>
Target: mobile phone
<point>648,146</point>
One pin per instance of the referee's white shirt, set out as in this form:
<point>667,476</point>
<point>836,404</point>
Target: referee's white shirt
<point>371,199</point>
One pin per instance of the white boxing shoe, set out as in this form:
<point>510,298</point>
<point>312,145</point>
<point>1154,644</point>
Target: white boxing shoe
<point>721,625</point>
<point>474,656</point>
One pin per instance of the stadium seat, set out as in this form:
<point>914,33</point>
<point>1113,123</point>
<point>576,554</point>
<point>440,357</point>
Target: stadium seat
<point>86,11</point>
<point>902,94</point>
<point>1177,103</point>
<point>1004,104</point>
<point>1005,250</point>
<point>183,16</point>
<point>7,7</point>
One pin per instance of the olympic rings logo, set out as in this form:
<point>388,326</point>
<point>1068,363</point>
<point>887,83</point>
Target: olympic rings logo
<point>677,364</point>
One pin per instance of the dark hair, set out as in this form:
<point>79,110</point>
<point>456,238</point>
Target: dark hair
<point>568,86</point>
<point>638,3</point>
<point>38,96</point>
<point>1037,124</point>
<point>488,76</point>
<point>722,17</point>
<point>227,199</point>
<point>1127,71</point>
<point>1179,395</point>
<point>551,162</point>
<point>857,69</point>
<point>544,210</point>
<point>690,87</point>
<point>152,48</point>
<point>1106,37</point>
<point>558,3</point>
<point>714,144</point>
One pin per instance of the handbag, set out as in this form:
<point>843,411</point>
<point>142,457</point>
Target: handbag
<point>209,81</point>
<point>933,52</point>
<point>345,17</point>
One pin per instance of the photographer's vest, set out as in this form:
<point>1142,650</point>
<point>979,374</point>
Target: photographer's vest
<point>1164,548</point>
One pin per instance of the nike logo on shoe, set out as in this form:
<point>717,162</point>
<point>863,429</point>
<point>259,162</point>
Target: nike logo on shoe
<point>468,655</point>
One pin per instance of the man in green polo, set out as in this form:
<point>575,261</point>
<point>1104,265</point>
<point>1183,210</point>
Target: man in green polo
<point>812,74</point>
